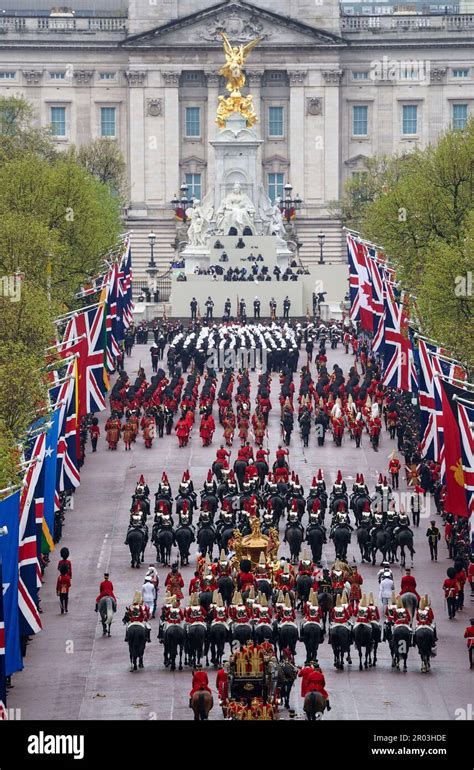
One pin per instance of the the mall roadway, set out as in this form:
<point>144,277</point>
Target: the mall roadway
<point>73,672</point>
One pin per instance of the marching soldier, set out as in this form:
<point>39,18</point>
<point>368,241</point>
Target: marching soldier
<point>434,536</point>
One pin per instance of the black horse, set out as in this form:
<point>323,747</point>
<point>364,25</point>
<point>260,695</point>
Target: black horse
<point>400,643</point>
<point>294,538</point>
<point>424,640</point>
<point>216,639</point>
<point>163,540</point>
<point>136,635</point>
<point>136,543</point>
<point>362,634</point>
<point>287,636</point>
<point>242,633</point>
<point>326,602</point>
<point>206,537</point>
<point>304,584</point>
<point>312,635</point>
<point>315,537</point>
<point>195,642</point>
<point>341,536</point>
<point>174,639</point>
<point>363,539</point>
<point>381,540</point>
<point>225,586</point>
<point>340,640</point>
<point>404,539</point>
<point>184,536</point>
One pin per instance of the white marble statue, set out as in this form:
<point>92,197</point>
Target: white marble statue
<point>236,210</point>
<point>270,216</point>
<point>199,216</point>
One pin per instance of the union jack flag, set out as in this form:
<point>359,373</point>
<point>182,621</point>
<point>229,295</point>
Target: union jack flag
<point>376,269</point>
<point>112,325</point>
<point>84,335</point>
<point>125,301</point>
<point>30,622</point>
<point>67,470</point>
<point>399,364</point>
<point>426,397</point>
<point>360,283</point>
<point>93,286</point>
<point>466,432</point>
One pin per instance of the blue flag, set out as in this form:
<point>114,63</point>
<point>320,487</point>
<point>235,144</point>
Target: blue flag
<point>10,517</point>
<point>49,470</point>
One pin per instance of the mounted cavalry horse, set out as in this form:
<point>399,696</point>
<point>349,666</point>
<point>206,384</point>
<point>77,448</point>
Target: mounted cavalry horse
<point>107,609</point>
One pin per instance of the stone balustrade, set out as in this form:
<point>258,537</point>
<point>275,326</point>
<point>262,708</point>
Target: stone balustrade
<point>31,24</point>
<point>408,23</point>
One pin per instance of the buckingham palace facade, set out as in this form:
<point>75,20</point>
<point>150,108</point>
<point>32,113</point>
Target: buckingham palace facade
<point>330,88</point>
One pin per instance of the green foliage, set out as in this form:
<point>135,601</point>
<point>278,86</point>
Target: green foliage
<point>22,388</point>
<point>8,458</point>
<point>104,160</point>
<point>419,207</point>
<point>18,133</point>
<point>58,219</point>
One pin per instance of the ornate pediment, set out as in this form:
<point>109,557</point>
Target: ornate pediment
<point>241,21</point>
<point>356,161</point>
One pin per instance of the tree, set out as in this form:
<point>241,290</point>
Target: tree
<point>9,458</point>
<point>18,133</point>
<point>104,160</point>
<point>419,208</point>
<point>57,223</point>
<point>23,390</point>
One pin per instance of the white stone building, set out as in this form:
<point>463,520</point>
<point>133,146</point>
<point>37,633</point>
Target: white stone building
<point>329,90</point>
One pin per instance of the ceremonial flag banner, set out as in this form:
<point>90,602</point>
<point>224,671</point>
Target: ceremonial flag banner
<point>44,497</point>
<point>9,620</point>
<point>426,396</point>
<point>3,684</point>
<point>67,469</point>
<point>459,474</point>
<point>84,336</point>
<point>399,365</point>
<point>360,283</point>
<point>30,622</point>
<point>377,275</point>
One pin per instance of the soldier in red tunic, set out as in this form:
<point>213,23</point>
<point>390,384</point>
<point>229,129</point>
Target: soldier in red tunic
<point>394,469</point>
<point>200,681</point>
<point>174,582</point>
<point>206,429</point>
<point>112,431</point>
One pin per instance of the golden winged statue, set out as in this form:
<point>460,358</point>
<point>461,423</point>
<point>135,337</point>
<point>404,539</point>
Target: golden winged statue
<point>235,57</point>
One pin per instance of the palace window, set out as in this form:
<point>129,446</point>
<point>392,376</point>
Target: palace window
<point>361,75</point>
<point>360,119</point>
<point>275,121</point>
<point>275,186</point>
<point>459,116</point>
<point>57,75</point>
<point>58,121</point>
<point>108,122</point>
<point>410,119</point>
<point>7,75</point>
<point>193,122</point>
<point>194,185</point>
<point>107,76</point>
<point>460,73</point>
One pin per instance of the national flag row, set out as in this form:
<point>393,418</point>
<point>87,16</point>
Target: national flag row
<point>92,339</point>
<point>415,364</point>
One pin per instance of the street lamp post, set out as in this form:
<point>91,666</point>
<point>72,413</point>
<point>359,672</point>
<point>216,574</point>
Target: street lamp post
<point>289,205</point>
<point>321,238</point>
<point>152,269</point>
<point>181,203</point>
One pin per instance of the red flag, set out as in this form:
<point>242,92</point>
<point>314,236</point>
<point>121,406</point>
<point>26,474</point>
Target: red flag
<point>456,499</point>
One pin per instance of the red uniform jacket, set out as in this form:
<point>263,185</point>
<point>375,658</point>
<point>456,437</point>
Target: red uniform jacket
<point>200,682</point>
<point>469,635</point>
<point>63,585</point>
<point>222,684</point>
<point>408,585</point>
<point>315,683</point>
<point>106,588</point>
<point>67,563</point>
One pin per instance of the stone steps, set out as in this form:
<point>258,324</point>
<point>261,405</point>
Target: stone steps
<point>334,249</point>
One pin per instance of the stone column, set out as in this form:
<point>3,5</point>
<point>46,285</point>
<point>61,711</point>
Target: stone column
<point>255,88</point>
<point>212,128</point>
<point>172,134</point>
<point>136,116</point>
<point>296,124</point>
<point>332,132</point>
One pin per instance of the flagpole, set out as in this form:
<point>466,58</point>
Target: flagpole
<point>453,379</point>
<point>61,318</point>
